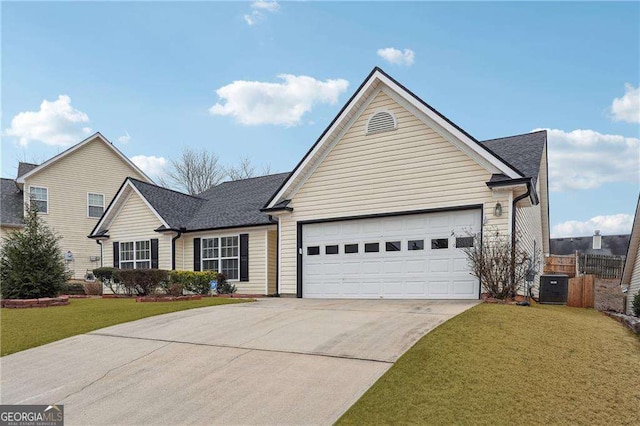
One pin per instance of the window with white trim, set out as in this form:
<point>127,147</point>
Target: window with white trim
<point>39,198</point>
<point>221,254</point>
<point>135,254</point>
<point>95,205</point>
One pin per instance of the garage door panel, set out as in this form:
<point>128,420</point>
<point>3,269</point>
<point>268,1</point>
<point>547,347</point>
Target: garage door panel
<point>422,273</point>
<point>438,265</point>
<point>463,287</point>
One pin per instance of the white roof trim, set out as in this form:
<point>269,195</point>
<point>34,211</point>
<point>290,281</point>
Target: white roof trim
<point>634,245</point>
<point>378,76</point>
<point>77,146</point>
<point>116,205</point>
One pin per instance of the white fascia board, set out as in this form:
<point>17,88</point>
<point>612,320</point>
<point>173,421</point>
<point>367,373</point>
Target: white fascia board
<point>117,204</point>
<point>449,127</point>
<point>328,135</point>
<point>21,179</point>
<point>488,160</point>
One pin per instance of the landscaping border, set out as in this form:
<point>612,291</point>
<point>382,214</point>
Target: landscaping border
<point>43,302</point>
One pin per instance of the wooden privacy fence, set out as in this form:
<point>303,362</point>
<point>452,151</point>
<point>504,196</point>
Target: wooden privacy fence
<point>601,265</point>
<point>561,265</point>
<point>581,291</point>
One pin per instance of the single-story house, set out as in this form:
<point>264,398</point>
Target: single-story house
<point>631,272</point>
<point>379,207</point>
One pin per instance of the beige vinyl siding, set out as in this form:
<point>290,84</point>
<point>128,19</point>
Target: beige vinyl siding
<point>272,250</point>
<point>528,231</point>
<point>92,168</point>
<point>634,283</point>
<point>411,168</point>
<point>257,283</point>
<point>136,222</point>
<point>6,230</point>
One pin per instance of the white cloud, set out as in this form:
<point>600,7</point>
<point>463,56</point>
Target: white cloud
<point>124,139</point>
<point>255,102</point>
<point>153,166</point>
<point>271,6</point>
<point>612,224</point>
<point>258,11</point>
<point>55,123</point>
<point>627,108</point>
<point>397,56</point>
<point>585,159</point>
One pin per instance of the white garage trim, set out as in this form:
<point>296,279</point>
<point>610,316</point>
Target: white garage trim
<point>300,225</point>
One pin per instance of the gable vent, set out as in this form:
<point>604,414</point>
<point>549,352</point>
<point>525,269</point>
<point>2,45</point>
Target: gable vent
<point>382,121</point>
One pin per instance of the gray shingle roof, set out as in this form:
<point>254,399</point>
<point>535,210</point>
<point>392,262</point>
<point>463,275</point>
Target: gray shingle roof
<point>11,210</point>
<point>175,207</point>
<point>524,152</point>
<point>227,205</point>
<point>615,245</point>
<point>24,168</point>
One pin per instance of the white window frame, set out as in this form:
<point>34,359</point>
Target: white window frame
<point>135,259</point>
<point>220,258</point>
<point>47,200</point>
<point>90,205</point>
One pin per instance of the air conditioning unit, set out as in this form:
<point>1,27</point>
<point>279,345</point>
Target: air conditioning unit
<point>554,289</point>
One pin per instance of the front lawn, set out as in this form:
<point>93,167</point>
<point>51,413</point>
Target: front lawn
<point>22,329</point>
<point>498,364</point>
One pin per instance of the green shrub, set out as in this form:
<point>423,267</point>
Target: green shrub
<point>72,288</point>
<point>142,282</point>
<point>635,305</point>
<point>194,281</point>
<point>224,286</point>
<point>31,262</point>
<point>109,277</point>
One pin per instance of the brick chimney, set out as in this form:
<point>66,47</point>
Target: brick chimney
<point>597,240</point>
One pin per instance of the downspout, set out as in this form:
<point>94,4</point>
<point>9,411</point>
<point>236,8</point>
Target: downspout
<point>99,242</point>
<point>277,222</point>
<point>513,230</point>
<point>173,248</point>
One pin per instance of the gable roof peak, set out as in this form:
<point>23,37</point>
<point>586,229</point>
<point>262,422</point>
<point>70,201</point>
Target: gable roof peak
<point>96,136</point>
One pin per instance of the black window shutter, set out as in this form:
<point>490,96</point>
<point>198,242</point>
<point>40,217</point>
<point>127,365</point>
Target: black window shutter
<point>196,254</point>
<point>116,254</point>
<point>154,253</point>
<point>244,257</point>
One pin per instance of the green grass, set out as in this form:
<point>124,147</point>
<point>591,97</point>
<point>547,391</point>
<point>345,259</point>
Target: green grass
<point>22,329</point>
<point>499,364</point>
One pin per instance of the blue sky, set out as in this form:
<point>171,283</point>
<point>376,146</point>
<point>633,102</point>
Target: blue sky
<point>145,74</point>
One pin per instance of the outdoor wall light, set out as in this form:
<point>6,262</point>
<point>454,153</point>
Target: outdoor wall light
<point>497,210</point>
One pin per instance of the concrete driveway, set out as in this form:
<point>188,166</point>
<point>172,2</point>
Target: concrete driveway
<point>284,361</point>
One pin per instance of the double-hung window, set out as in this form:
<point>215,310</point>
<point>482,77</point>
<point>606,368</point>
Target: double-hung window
<point>135,255</point>
<point>95,205</point>
<point>222,254</point>
<point>39,198</point>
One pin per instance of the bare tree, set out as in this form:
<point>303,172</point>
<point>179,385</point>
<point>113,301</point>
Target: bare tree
<point>194,171</point>
<point>246,169</point>
<point>500,266</point>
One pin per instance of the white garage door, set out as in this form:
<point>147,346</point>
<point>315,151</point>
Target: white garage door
<point>398,257</point>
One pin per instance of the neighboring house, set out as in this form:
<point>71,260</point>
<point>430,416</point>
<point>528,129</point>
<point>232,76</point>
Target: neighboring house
<point>611,245</point>
<point>631,274</point>
<point>71,191</point>
<point>379,207</point>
